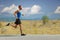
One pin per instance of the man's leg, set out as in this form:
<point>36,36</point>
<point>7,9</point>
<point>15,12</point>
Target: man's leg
<point>15,26</point>
<point>21,30</point>
<point>11,24</point>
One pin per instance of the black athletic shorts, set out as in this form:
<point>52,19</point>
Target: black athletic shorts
<point>18,21</point>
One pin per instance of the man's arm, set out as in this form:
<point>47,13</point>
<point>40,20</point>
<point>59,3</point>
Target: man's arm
<point>15,13</point>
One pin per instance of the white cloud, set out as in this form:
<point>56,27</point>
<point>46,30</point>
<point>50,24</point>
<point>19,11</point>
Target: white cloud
<point>10,9</point>
<point>35,9</point>
<point>26,10</point>
<point>31,10</point>
<point>13,8</point>
<point>57,10</point>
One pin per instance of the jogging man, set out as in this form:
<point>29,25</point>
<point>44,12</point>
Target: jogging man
<point>17,15</point>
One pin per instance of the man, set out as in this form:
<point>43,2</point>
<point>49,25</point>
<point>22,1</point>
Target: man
<point>17,15</point>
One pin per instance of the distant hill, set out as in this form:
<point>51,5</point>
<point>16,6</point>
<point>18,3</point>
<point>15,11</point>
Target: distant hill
<point>10,17</point>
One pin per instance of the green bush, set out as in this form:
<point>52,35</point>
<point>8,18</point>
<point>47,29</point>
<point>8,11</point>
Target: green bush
<point>45,19</point>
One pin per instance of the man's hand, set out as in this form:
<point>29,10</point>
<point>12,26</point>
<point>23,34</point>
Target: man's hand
<point>22,14</point>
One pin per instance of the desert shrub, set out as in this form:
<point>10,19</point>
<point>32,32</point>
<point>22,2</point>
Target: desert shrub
<point>45,19</point>
<point>1,28</point>
<point>0,24</point>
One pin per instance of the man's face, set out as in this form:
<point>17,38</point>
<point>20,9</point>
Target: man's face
<point>20,8</point>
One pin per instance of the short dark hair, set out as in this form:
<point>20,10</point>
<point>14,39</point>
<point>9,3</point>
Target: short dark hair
<point>20,7</point>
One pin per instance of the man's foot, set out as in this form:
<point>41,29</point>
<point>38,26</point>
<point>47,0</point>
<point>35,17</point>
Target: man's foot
<point>23,34</point>
<point>8,24</point>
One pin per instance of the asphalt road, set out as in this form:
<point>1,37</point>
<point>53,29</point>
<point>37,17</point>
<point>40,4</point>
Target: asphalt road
<point>30,37</point>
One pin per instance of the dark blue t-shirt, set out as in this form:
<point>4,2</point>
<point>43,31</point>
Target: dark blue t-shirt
<point>18,15</point>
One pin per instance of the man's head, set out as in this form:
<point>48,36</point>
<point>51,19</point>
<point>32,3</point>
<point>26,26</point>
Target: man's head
<point>20,7</point>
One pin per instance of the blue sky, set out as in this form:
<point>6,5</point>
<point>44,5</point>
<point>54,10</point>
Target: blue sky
<point>46,7</point>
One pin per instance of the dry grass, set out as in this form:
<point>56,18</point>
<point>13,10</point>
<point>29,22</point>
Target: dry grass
<point>33,27</point>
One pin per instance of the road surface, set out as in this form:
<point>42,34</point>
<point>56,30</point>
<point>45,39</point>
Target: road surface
<point>30,37</point>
